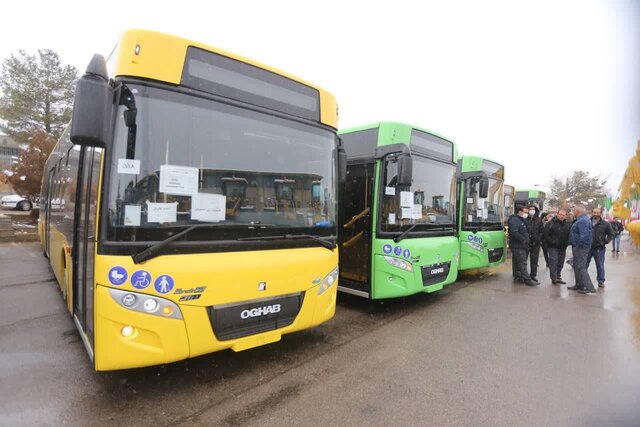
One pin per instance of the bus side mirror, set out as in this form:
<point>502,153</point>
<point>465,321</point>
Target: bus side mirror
<point>405,169</point>
<point>484,188</point>
<point>92,106</point>
<point>342,165</point>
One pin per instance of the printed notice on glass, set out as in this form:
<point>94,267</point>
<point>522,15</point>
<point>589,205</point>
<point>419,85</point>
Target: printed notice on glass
<point>469,218</point>
<point>162,212</point>
<point>469,199</point>
<point>208,207</point>
<point>416,212</point>
<point>178,180</point>
<point>128,166</point>
<point>392,218</point>
<point>390,191</point>
<point>406,213</point>
<point>406,199</point>
<point>485,213</point>
<point>132,215</point>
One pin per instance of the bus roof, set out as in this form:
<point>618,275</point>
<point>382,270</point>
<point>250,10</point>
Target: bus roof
<point>390,133</point>
<point>158,56</point>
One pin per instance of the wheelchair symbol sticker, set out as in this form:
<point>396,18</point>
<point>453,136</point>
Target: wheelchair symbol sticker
<point>141,279</point>
<point>117,275</point>
<point>163,284</point>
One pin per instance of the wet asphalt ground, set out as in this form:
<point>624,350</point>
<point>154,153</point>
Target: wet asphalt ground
<point>482,352</point>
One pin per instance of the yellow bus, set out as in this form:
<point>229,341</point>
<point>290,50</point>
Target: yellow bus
<point>191,204</point>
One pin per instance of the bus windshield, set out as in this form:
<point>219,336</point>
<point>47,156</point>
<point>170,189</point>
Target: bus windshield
<point>429,203</point>
<point>186,160</point>
<point>483,213</point>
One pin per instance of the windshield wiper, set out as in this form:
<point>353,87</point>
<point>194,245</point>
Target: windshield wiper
<point>323,242</point>
<point>404,233</point>
<point>152,251</point>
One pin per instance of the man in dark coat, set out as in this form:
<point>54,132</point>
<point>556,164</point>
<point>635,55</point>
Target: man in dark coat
<point>519,245</point>
<point>556,236</point>
<point>581,239</point>
<point>534,227</point>
<point>602,235</point>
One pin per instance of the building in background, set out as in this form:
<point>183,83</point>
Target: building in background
<point>9,152</point>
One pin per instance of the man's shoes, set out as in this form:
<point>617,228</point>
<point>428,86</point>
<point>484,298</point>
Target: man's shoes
<point>601,285</point>
<point>562,282</point>
<point>556,282</point>
<point>618,252</point>
<point>534,280</point>
<point>531,283</point>
<point>516,280</point>
<point>587,292</point>
<point>574,288</point>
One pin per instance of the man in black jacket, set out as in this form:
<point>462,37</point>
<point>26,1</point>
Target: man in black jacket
<point>534,227</point>
<point>602,235</point>
<point>556,236</point>
<point>519,244</point>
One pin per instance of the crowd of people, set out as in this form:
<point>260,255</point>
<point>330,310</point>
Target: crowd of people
<point>531,232</point>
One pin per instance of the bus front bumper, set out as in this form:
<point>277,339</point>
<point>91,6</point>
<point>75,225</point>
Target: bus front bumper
<point>127,338</point>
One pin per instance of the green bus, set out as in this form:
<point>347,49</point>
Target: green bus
<point>527,197</point>
<point>398,211</point>
<point>481,213</point>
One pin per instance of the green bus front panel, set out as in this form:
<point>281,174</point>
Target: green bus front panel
<point>482,249</point>
<point>434,263</point>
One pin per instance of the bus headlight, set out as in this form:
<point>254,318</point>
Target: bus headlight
<point>328,281</point>
<point>399,263</point>
<point>147,304</point>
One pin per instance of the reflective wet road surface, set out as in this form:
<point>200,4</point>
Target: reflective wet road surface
<point>482,352</point>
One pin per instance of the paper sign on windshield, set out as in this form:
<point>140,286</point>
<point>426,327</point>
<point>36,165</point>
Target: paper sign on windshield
<point>416,212</point>
<point>406,213</point>
<point>132,215</point>
<point>208,207</point>
<point>129,166</point>
<point>178,180</point>
<point>392,218</point>
<point>162,212</point>
<point>390,191</point>
<point>406,199</point>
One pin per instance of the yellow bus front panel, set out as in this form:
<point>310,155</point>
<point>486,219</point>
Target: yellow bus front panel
<point>246,293</point>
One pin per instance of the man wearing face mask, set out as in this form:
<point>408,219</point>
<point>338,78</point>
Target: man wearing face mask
<point>534,227</point>
<point>556,234</point>
<point>602,235</point>
<point>519,245</point>
<point>581,239</point>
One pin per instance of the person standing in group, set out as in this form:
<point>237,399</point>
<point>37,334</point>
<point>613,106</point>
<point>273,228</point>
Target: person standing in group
<point>618,228</point>
<point>556,236</point>
<point>602,235</point>
<point>534,227</point>
<point>545,217</point>
<point>581,239</point>
<point>519,245</point>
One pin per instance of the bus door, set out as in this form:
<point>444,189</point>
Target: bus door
<point>84,244</point>
<point>46,204</point>
<point>355,229</point>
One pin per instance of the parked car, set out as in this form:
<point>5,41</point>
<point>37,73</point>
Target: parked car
<point>14,201</point>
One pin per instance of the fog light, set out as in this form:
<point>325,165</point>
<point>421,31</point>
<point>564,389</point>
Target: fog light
<point>167,310</point>
<point>128,300</point>
<point>150,305</point>
<point>127,331</point>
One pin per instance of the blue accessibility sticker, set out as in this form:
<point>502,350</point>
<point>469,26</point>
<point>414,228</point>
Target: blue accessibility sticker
<point>387,248</point>
<point>397,250</point>
<point>141,279</point>
<point>117,275</point>
<point>164,284</point>
<point>406,253</point>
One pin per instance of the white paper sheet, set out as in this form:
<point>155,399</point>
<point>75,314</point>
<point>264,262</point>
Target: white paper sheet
<point>208,207</point>
<point>128,166</point>
<point>469,199</point>
<point>469,218</point>
<point>162,212</point>
<point>392,218</point>
<point>406,213</point>
<point>132,214</point>
<point>485,213</point>
<point>416,212</point>
<point>406,199</point>
<point>178,180</point>
<point>390,191</point>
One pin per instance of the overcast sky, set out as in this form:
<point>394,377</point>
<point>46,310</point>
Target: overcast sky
<point>543,87</point>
